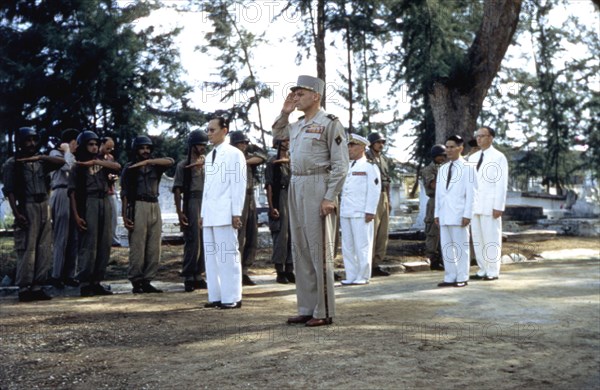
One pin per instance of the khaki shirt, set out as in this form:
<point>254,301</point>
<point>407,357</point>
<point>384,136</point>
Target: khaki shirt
<point>317,147</point>
<point>383,164</point>
<point>197,177</point>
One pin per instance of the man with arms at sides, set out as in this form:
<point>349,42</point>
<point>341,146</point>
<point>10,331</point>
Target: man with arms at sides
<point>432,231</point>
<point>222,204</point>
<point>248,234</point>
<point>319,164</point>
<point>492,181</point>
<point>277,181</point>
<point>382,218</point>
<point>360,197</point>
<point>455,192</point>
<point>188,185</point>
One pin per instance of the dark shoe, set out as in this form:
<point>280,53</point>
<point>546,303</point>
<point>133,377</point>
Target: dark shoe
<point>213,304</point>
<point>149,289</point>
<point>281,278</point>
<point>200,284</point>
<point>86,291</point>
<point>101,290</point>
<point>461,284</point>
<point>236,305</point>
<point>290,277</point>
<point>378,271</point>
<point>489,278</point>
<point>299,319</point>
<point>137,288</point>
<point>319,322</point>
<point>26,296</point>
<point>71,282</point>
<point>446,284</point>
<point>57,283</point>
<point>40,295</point>
<point>436,267</point>
<point>246,281</point>
<point>476,277</point>
<point>188,285</point>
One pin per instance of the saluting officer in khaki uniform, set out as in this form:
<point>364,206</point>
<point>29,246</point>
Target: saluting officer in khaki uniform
<point>319,163</point>
<point>382,218</point>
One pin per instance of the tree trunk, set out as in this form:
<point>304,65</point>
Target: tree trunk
<point>320,46</point>
<point>456,106</point>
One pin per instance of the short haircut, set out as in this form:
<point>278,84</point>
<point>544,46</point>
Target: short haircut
<point>457,139</point>
<point>491,131</point>
<point>105,140</point>
<point>223,122</point>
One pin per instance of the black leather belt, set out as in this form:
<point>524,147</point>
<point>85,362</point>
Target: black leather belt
<point>147,198</point>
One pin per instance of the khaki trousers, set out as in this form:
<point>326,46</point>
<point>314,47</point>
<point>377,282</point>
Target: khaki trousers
<point>382,221</point>
<point>144,242</point>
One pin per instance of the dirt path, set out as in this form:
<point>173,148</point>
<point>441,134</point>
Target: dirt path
<point>537,327</point>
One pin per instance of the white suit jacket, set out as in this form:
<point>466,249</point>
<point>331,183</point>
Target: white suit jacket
<point>362,189</point>
<point>224,186</point>
<point>492,181</point>
<point>454,203</point>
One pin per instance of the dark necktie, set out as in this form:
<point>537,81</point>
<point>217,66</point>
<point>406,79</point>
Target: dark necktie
<point>480,161</point>
<point>353,162</point>
<point>214,154</point>
<point>449,175</point>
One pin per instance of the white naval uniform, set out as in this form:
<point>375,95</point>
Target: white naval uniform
<point>360,196</point>
<point>223,198</point>
<point>492,181</point>
<point>452,204</point>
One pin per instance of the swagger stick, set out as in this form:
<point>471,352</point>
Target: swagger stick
<point>324,225</point>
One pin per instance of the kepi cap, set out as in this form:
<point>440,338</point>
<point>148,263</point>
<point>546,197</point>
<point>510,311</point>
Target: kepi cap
<point>358,139</point>
<point>311,83</point>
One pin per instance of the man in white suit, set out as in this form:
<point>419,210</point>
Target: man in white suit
<point>492,181</point>
<point>456,190</point>
<point>360,197</point>
<point>222,204</point>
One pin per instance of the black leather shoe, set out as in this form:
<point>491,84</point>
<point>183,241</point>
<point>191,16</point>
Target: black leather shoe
<point>149,289</point>
<point>86,291</point>
<point>137,287</point>
<point>26,296</point>
<point>200,284</point>
<point>281,278</point>
<point>461,284</point>
<point>446,284</point>
<point>188,286</point>
<point>71,282</point>
<point>212,304</point>
<point>246,281</point>
<point>290,277</point>
<point>476,277</point>
<point>57,283</point>
<point>236,305</point>
<point>101,290</point>
<point>489,278</point>
<point>378,271</point>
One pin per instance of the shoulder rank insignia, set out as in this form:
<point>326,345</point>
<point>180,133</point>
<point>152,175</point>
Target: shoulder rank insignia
<point>338,139</point>
<point>332,117</point>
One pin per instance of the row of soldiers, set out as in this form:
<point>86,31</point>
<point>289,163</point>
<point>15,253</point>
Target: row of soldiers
<point>80,214</point>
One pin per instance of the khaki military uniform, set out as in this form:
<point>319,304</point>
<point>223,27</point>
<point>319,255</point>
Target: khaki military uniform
<point>64,227</point>
<point>145,238</point>
<point>432,231</point>
<point>319,164</point>
<point>278,177</point>
<point>248,234</point>
<point>382,218</point>
<point>193,255</point>
<point>27,182</point>
<point>95,208</point>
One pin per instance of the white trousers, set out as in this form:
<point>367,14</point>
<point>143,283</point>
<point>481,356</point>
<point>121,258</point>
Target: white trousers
<point>454,241</point>
<point>223,264</point>
<point>357,248</point>
<point>487,242</point>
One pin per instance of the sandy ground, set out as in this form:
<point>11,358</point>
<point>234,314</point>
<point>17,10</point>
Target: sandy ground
<point>537,327</point>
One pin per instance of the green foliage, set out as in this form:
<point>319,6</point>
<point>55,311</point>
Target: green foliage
<point>85,64</point>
